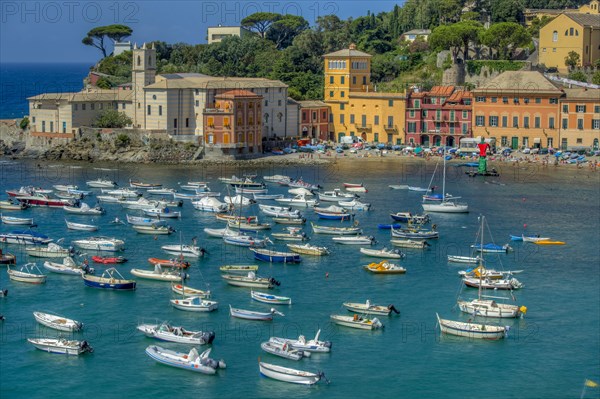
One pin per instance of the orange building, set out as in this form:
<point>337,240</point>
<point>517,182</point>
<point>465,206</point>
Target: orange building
<point>234,122</point>
<point>314,119</point>
<point>580,119</point>
<point>518,109</point>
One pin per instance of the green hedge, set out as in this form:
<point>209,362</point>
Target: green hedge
<point>474,66</point>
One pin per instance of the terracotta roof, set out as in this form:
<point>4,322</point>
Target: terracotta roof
<point>237,93</point>
<point>86,96</point>
<point>348,53</point>
<point>457,96</point>
<point>312,104</point>
<point>518,81</point>
<point>440,91</point>
<point>210,82</point>
<point>582,94</point>
<point>592,20</point>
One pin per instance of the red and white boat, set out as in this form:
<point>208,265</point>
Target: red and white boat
<point>169,263</point>
<point>353,185</point>
<point>43,200</point>
<point>355,188</point>
<point>109,259</point>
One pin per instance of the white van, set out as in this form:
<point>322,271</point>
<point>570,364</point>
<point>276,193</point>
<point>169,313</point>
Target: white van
<point>351,140</point>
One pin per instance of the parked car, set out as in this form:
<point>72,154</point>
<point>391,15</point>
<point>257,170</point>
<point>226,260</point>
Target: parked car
<point>526,150</point>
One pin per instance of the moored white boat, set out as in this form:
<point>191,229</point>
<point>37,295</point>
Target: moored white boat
<point>28,273</point>
<point>80,226</point>
<point>153,229</point>
<point>335,195</point>
<point>417,244</point>
<point>10,220</point>
<point>188,361</point>
<point>472,330</point>
<point>166,332</point>
<point>312,345</point>
<point>159,274</point>
<point>101,183</point>
<point>385,267</point>
<point>61,346</point>
<point>210,204</point>
<point>298,200</point>
<point>253,315</point>
<point>162,213</point>
<point>336,230</point>
<point>286,374</point>
<point>308,249</point>
<point>184,250</point>
<point>269,298</point>
<point>382,253</point>
<point>250,280</point>
<point>355,205</point>
<point>238,269</point>
<point>189,291</point>
<point>68,266</point>
<point>463,259</point>
<point>85,209</point>
<point>356,321</point>
<point>282,349</point>
<point>354,240</point>
<point>100,244</point>
<point>24,237</point>
<point>51,251</point>
<point>368,308</point>
<point>123,192</point>
<point>56,322</point>
<point>194,304</point>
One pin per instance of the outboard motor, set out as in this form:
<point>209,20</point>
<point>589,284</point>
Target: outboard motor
<point>86,347</point>
<point>393,309</point>
<point>3,292</point>
<point>274,282</point>
<point>208,337</point>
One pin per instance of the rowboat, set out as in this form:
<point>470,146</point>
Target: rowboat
<point>159,274</point>
<point>153,229</point>
<point>225,217</point>
<point>27,274</point>
<point>356,321</point>
<point>472,330</point>
<point>286,374</point>
<point>251,280</point>
<point>85,209</point>
<point>312,345</point>
<point>7,259</point>
<point>61,346</point>
<point>355,205</point>
<point>415,233</point>
<point>101,183</point>
<point>108,259</point>
<point>80,226</point>
<point>491,248</point>
<point>189,291</point>
<point>186,196</point>
<point>463,259</point>
<point>16,221</point>
<point>369,308</point>
<point>68,266</point>
<point>388,226</point>
<point>548,242</point>
<point>161,191</point>
<point>335,195</point>
<point>175,263</point>
<point>354,240</point>
<point>57,322</point>
<point>100,244</point>
<point>184,250</point>
<point>290,236</point>
<point>282,349</point>
<point>493,284</point>
<point>308,249</point>
<point>189,361</point>
<point>145,186</point>
<point>334,216</point>
<point>165,332</point>
<point>162,213</point>
<point>24,237</point>
<point>384,267</point>
<point>398,186</point>
<point>123,192</point>
<point>407,217</point>
<point>357,189</point>
<point>382,253</point>
<point>279,211</point>
<point>298,200</point>
<point>64,187</point>
<point>10,205</point>
<point>245,226</point>
<point>272,299</point>
<point>109,281</point>
<point>417,244</point>
<point>194,304</point>
<point>253,315</point>
<point>261,197</point>
<point>268,255</point>
<point>336,230</point>
<point>491,308</point>
<point>237,269</point>
<point>51,251</point>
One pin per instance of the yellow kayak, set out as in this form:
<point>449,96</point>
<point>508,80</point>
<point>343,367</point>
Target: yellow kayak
<point>548,242</point>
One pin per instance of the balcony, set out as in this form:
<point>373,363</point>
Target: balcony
<point>391,128</point>
<point>216,111</point>
<point>363,127</point>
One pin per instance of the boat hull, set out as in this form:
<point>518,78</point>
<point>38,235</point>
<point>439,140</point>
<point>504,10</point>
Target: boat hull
<point>471,330</point>
<point>288,375</point>
<point>109,283</point>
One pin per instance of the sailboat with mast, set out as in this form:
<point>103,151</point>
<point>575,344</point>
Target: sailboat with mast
<point>485,305</point>
<point>443,203</point>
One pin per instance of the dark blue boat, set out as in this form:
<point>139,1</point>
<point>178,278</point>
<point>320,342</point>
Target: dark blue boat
<point>109,281</point>
<point>273,256</point>
<point>334,215</point>
<point>389,226</point>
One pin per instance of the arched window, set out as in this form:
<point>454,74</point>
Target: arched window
<point>139,61</point>
<point>150,60</point>
<point>279,116</point>
<point>555,36</point>
<point>567,32</point>
<point>266,118</point>
<point>571,30</point>
<point>576,32</point>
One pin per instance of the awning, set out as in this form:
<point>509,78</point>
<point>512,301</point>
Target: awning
<point>537,140</point>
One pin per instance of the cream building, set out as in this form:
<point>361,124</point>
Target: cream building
<point>218,33</point>
<point>171,103</point>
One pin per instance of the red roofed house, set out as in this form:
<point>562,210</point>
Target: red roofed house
<point>233,124</point>
<point>439,117</point>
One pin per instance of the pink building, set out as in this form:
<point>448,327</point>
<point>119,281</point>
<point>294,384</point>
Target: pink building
<point>440,117</point>
<point>233,124</point>
<point>314,120</point>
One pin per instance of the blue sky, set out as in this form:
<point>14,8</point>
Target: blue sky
<point>51,31</point>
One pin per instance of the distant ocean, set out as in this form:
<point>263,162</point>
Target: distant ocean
<point>19,81</point>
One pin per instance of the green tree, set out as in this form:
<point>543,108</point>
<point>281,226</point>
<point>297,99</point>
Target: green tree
<point>579,76</point>
<point>449,10</point>
<point>538,24</point>
<point>505,38</point>
<point>260,22</point>
<point>507,10</point>
<point>470,16</point>
<point>112,119</point>
<point>446,37</point>
<point>24,124</point>
<point>572,60</point>
<point>118,66</point>
<point>596,78</point>
<point>103,83</point>
<point>96,36</point>
<point>283,31</point>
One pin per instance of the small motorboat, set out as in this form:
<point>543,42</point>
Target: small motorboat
<point>268,298</point>
<point>251,280</point>
<point>312,345</point>
<point>24,237</point>
<point>354,240</point>
<point>416,244</point>
<point>368,308</point>
<point>85,209</point>
<point>10,205</point>
<point>238,269</point>
<point>282,349</point>
<point>355,205</point>
<point>335,195</point>
<point>68,266</point>
<point>64,187</point>
<point>176,263</point>
<point>165,332</point>
<point>153,229</point>
<point>56,322</point>
<point>268,255</point>
<point>388,226</point>
<point>189,291</point>
<point>101,183</point>
<point>144,186</point>
<point>189,361</point>
<point>407,217</point>
<point>307,249</point>
<point>250,227</point>
<point>298,200</point>
<point>415,233</point>
<point>194,304</point>
<point>51,251</point>
<point>27,274</point>
<point>80,226</point>
<point>286,374</point>
<point>463,259</point>
<point>123,192</point>
<point>534,238</point>
<point>336,230</point>
<point>385,267</point>
<point>472,330</point>
<point>492,248</point>
<point>111,279</point>
<point>493,284</point>
<point>184,250</point>
<point>159,274</point>
<point>383,253</point>
<point>61,346</point>
<point>100,244</point>
<point>356,321</point>
<point>253,315</point>
<point>106,260</point>
<point>162,213</point>
<point>290,221</point>
<point>334,215</point>
<point>398,186</point>
<point>7,259</point>
<point>10,220</point>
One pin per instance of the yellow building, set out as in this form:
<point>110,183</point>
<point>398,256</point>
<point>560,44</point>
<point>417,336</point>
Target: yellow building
<point>570,32</point>
<point>531,14</point>
<point>356,110</point>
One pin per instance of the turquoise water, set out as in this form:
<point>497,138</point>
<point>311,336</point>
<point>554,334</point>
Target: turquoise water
<point>548,354</point>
